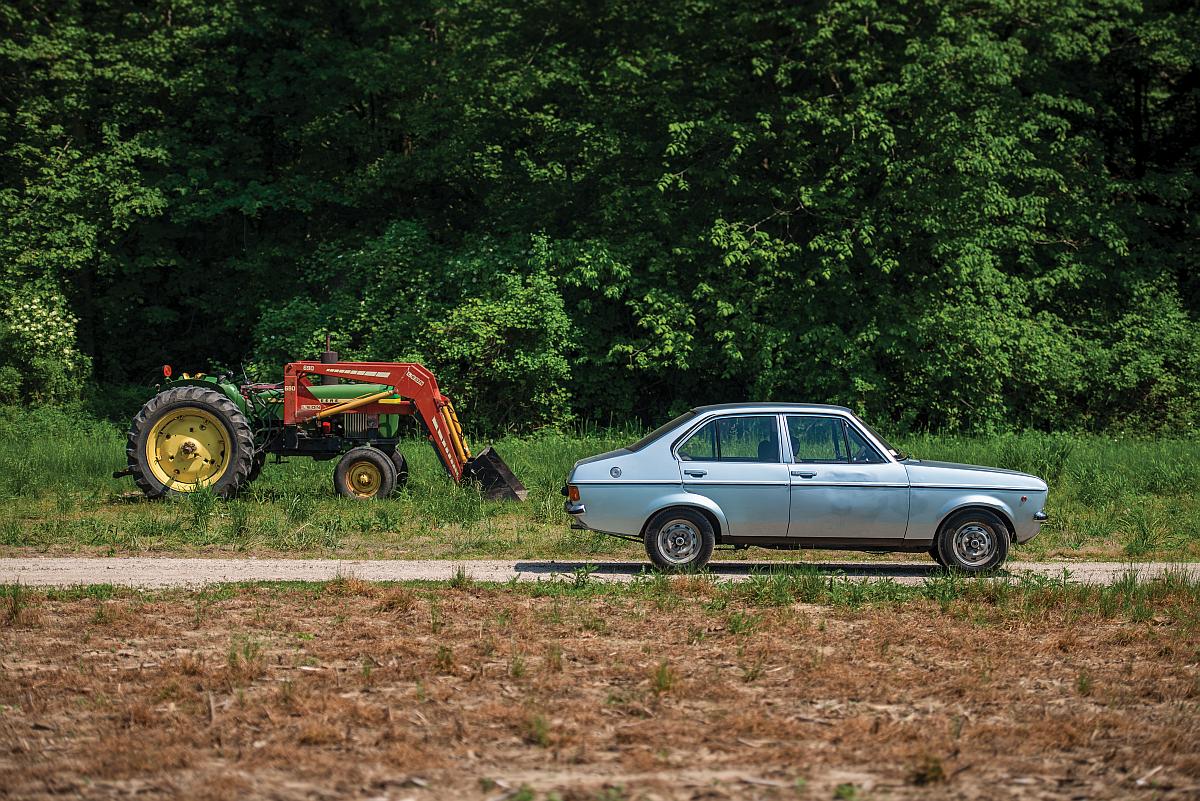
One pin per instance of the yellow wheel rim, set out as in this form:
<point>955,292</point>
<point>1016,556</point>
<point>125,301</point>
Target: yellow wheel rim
<point>363,479</point>
<point>187,449</point>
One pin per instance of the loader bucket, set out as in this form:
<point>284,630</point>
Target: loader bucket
<point>498,482</point>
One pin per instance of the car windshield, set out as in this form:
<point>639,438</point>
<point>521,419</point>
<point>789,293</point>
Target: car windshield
<point>898,455</point>
<point>660,431</point>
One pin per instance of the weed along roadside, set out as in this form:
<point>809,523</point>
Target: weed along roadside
<point>786,685</point>
<point>160,572</point>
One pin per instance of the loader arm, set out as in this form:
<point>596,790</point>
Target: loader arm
<point>411,389</point>
<point>413,383</point>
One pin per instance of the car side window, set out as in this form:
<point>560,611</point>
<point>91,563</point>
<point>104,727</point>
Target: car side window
<point>700,446</point>
<point>816,439</point>
<point>748,438</point>
<point>861,451</point>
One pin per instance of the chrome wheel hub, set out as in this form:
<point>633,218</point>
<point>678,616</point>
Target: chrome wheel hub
<point>679,541</point>
<point>974,544</point>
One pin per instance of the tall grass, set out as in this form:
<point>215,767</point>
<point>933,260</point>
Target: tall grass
<point>1123,497</point>
<point>46,451</point>
<point>1117,498</point>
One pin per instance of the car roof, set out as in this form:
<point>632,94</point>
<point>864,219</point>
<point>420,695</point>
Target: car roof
<point>771,407</point>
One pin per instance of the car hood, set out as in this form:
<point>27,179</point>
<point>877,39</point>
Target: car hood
<point>969,475</point>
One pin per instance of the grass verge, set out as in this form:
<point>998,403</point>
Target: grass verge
<point>1110,499</point>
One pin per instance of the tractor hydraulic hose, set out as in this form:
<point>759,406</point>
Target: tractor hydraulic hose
<point>354,404</point>
<point>456,434</point>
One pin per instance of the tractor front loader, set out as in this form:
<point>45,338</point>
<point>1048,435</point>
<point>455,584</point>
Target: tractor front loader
<point>202,431</point>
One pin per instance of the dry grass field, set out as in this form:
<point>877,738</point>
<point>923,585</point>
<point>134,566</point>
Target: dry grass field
<point>670,688</point>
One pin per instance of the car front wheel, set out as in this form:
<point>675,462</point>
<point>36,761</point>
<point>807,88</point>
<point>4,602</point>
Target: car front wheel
<point>973,541</point>
<point>679,539</point>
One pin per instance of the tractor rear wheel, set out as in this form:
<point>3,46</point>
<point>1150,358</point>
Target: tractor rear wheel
<point>188,438</point>
<point>256,466</point>
<point>365,473</point>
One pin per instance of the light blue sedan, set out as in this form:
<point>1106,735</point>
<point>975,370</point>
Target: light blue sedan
<point>784,475</point>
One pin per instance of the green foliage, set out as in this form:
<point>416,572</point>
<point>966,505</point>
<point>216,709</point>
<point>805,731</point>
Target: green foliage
<point>489,321</point>
<point>506,354</point>
<point>39,358</point>
<point>947,215</point>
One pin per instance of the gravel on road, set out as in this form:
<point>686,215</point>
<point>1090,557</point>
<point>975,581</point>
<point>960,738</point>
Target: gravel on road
<point>174,572</point>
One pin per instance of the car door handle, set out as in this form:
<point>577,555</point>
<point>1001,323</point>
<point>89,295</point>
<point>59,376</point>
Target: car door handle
<point>804,473</point>
<point>696,473</point>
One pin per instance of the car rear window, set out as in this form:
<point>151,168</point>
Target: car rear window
<point>662,430</point>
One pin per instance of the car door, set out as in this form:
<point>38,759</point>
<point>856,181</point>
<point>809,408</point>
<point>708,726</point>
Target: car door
<point>737,462</point>
<point>842,487</point>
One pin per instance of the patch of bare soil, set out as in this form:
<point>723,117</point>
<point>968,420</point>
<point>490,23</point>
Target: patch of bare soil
<point>357,691</point>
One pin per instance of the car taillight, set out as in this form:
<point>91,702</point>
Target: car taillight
<point>573,493</point>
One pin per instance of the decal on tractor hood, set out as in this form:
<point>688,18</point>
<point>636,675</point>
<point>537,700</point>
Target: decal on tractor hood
<point>366,373</point>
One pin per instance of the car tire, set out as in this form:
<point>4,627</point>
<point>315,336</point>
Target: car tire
<point>936,555</point>
<point>973,541</point>
<point>679,539</point>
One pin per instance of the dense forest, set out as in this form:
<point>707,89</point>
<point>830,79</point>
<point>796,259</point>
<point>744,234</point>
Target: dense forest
<point>947,214</point>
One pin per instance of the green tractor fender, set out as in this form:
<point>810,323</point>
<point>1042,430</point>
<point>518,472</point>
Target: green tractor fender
<point>208,382</point>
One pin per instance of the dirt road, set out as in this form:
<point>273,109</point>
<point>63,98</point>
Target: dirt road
<point>168,572</point>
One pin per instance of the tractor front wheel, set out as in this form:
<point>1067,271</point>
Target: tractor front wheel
<point>188,438</point>
<point>365,473</point>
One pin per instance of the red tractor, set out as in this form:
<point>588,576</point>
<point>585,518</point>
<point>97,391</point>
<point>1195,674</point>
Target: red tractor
<point>203,431</point>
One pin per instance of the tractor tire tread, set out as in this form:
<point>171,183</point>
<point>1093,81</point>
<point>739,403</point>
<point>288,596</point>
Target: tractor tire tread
<point>202,397</point>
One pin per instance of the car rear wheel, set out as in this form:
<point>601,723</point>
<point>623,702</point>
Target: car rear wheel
<point>679,539</point>
<point>973,541</point>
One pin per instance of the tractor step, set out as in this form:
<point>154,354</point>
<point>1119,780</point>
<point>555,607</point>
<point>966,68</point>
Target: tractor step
<point>493,475</point>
